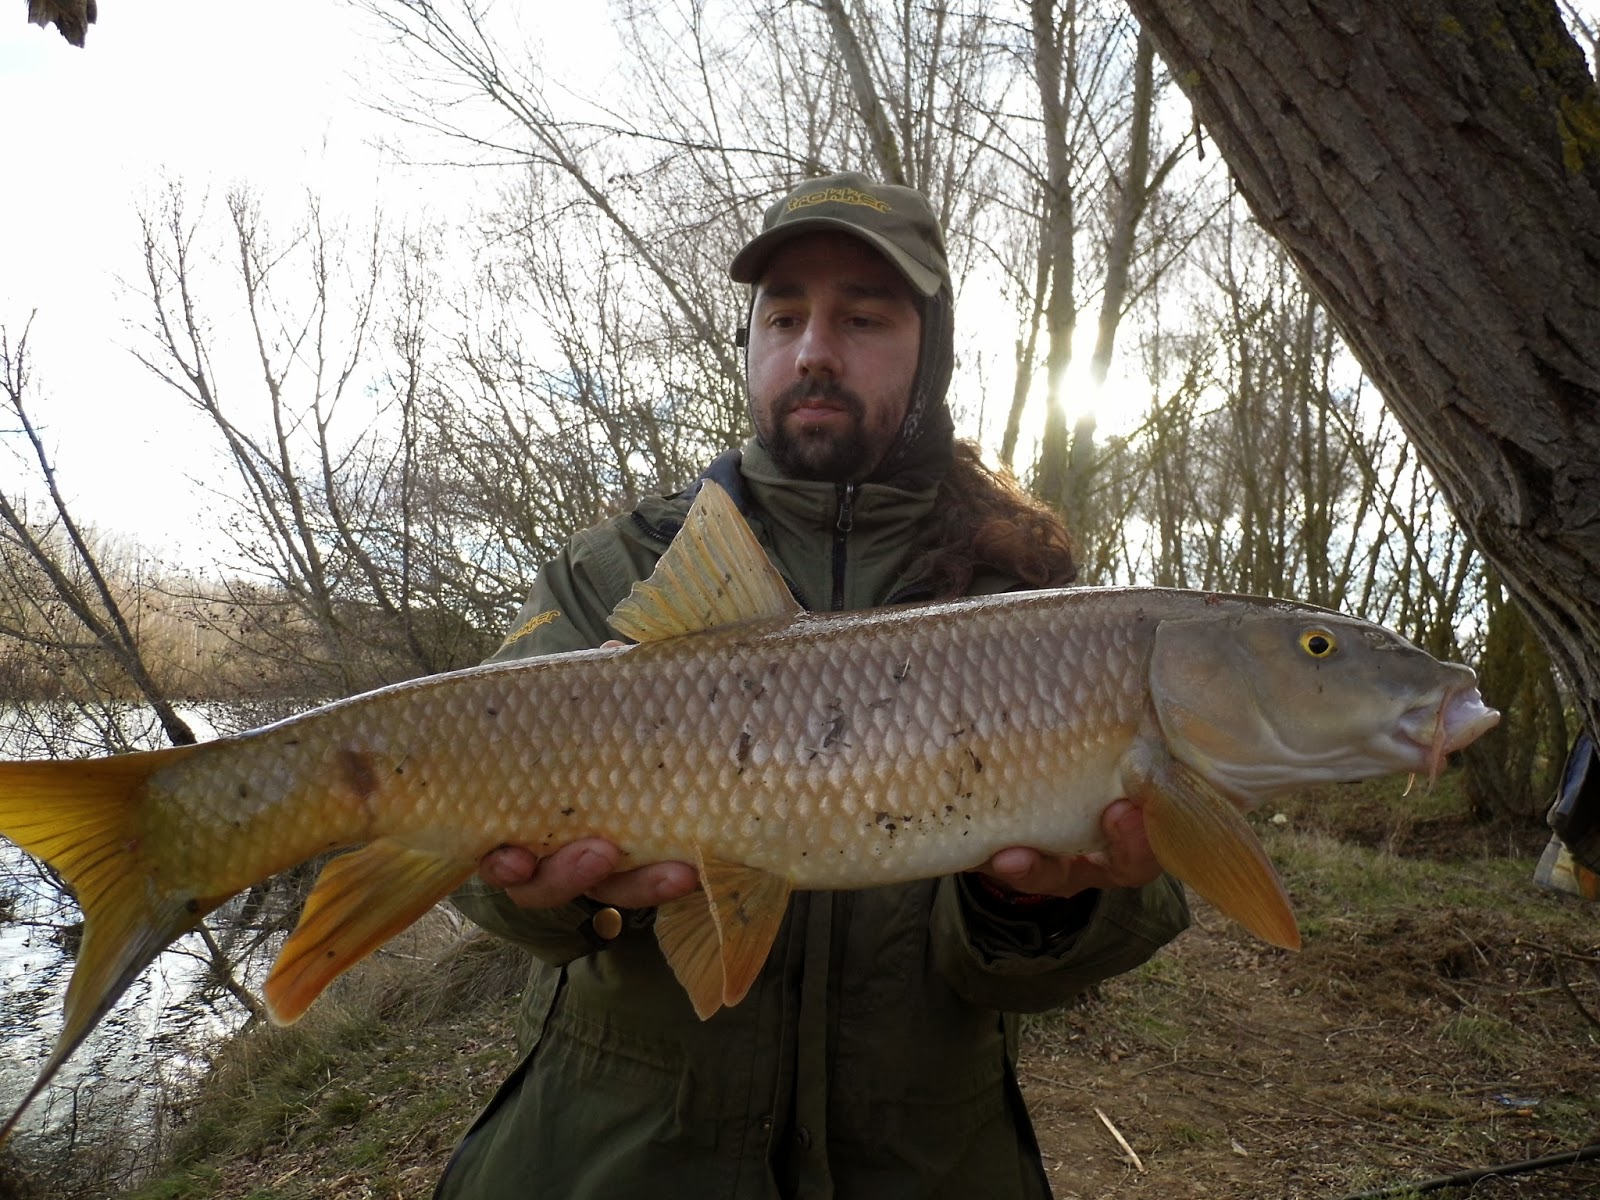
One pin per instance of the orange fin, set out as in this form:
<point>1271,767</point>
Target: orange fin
<point>748,906</point>
<point>714,573</point>
<point>1199,836</point>
<point>718,941</point>
<point>361,900</point>
<point>81,817</point>
<point>688,938</point>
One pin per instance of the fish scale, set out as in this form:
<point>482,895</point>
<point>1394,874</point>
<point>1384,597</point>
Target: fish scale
<point>642,755</point>
<point>771,749</point>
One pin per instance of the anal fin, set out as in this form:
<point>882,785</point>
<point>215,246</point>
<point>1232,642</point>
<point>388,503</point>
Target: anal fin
<point>361,900</point>
<point>1200,837</point>
<point>717,940</point>
<point>687,935</point>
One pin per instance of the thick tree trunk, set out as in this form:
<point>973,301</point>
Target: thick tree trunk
<point>1434,169</point>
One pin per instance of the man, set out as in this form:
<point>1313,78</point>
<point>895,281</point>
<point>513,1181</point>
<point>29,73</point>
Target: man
<point>872,1056</point>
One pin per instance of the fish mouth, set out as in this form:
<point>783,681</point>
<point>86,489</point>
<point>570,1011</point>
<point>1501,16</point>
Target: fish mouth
<point>1458,720</point>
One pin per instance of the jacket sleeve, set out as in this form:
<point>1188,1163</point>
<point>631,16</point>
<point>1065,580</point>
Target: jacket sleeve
<point>581,585</point>
<point>1017,960</point>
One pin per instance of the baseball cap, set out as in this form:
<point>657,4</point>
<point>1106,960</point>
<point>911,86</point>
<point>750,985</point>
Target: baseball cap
<point>896,221</point>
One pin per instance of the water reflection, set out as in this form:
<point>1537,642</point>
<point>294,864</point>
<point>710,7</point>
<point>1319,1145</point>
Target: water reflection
<point>155,1039</point>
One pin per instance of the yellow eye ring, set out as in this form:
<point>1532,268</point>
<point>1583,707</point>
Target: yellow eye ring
<point>1318,643</point>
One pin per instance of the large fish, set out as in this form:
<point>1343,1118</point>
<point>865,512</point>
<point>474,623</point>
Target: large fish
<point>773,748</point>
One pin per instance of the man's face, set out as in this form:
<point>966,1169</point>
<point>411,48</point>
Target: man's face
<point>834,339</point>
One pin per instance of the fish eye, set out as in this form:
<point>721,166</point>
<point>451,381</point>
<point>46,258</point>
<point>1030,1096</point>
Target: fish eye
<point>1318,643</point>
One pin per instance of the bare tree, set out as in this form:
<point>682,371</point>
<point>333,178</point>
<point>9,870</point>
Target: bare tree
<point>885,146</point>
<point>1097,90</point>
<point>57,550</point>
<point>77,611</point>
<point>723,106</point>
<point>322,435</point>
<point>1266,467</point>
<point>562,396</point>
<point>455,47</point>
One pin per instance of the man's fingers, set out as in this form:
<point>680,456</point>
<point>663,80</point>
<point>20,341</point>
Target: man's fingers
<point>1129,860</point>
<point>586,867</point>
<point>589,867</point>
<point>1126,861</point>
<point>507,866</point>
<point>1030,871</point>
<point>645,887</point>
<point>1013,865</point>
<point>559,878</point>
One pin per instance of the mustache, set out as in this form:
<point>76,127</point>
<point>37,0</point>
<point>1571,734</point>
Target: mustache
<point>830,390</point>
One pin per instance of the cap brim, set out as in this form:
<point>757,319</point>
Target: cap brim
<point>749,263</point>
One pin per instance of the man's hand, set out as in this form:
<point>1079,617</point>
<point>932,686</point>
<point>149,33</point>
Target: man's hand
<point>583,868</point>
<point>1127,860</point>
<point>589,868</point>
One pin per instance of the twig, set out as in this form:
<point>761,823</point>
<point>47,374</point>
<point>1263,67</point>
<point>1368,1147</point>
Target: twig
<point>1467,1178</point>
<point>1121,1141</point>
<point>1561,978</point>
<point>224,973</point>
<point>1557,952</point>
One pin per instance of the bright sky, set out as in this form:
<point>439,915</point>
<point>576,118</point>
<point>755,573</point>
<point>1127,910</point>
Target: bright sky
<point>213,92</point>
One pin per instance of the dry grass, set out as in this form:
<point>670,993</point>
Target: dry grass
<point>1428,1026</point>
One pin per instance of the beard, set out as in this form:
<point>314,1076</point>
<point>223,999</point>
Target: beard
<point>816,452</point>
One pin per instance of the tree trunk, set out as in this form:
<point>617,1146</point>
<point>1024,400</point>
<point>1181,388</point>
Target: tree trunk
<point>1053,55</point>
<point>880,134</point>
<point>1434,170</point>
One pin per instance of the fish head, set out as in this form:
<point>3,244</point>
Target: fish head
<point>1276,696</point>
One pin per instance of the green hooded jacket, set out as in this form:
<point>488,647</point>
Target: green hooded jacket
<point>874,1056</point>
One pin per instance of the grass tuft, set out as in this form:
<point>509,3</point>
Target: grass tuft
<point>391,1063</point>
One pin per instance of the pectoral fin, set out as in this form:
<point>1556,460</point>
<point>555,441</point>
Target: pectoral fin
<point>717,940</point>
<point>1200,837</point>
<point>360,901</point>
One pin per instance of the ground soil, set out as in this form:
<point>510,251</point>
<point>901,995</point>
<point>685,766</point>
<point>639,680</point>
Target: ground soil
<point>1399,1046</point>
<point>1322,1075</point>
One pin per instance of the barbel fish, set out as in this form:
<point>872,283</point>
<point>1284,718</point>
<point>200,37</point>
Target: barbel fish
<point>772,748</point>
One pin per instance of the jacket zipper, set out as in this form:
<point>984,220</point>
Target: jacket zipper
<point>843,521</point>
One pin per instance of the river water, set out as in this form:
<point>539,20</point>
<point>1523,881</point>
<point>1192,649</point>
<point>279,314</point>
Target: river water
<point>156,1037</point>
<point>153,1038</point>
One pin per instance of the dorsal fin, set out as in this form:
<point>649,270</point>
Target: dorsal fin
<point>715,573</point>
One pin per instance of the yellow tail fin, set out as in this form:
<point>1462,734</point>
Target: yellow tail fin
<point>78,815</point>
